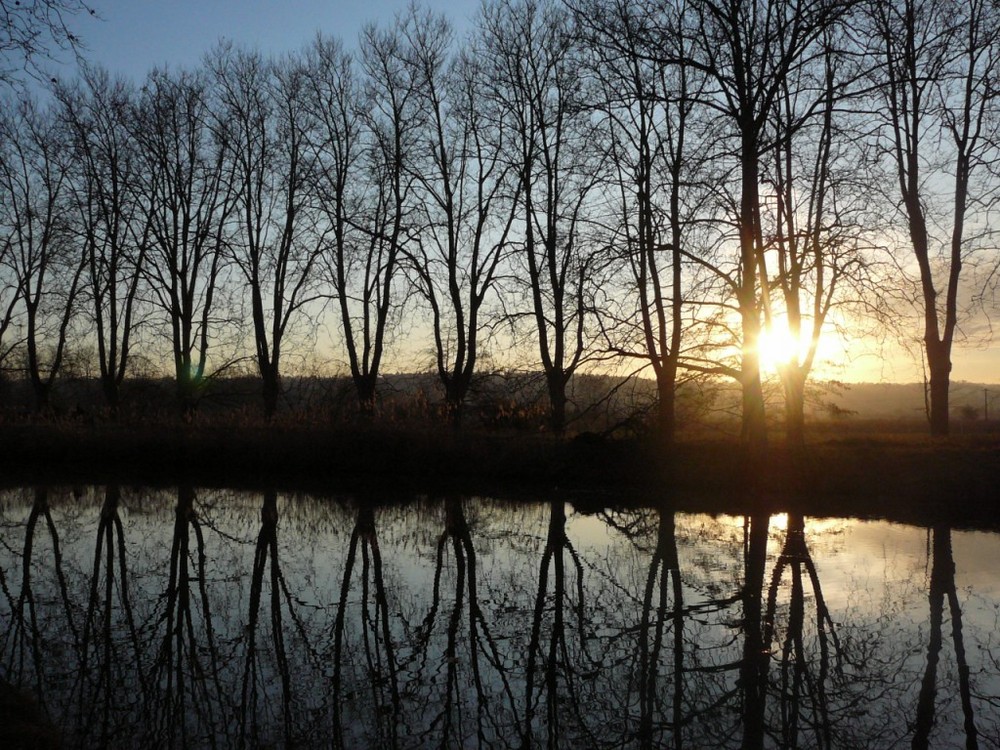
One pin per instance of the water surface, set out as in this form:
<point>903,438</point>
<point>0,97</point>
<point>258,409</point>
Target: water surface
<point>207,618</point>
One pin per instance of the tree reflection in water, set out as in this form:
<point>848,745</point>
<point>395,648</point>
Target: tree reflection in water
<point>193,621</point>
<point>446,723</point>
<point>378,674</point>
<point>26,642</point>
<point>256,701</point>
<point>566,672</point>
<point>942,586</point>
<point>662,583</point>
<point>797,685</point>
<point>756,653</point>
<point>187,702</point>
<point>109,681</point>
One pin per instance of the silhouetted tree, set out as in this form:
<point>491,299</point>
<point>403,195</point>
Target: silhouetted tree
<point>34,31</point>
<point>188,199</point>
<point>645,105</point>
<point>748,51</point>
<point>367,290</point>
<point>465,195</point>
<point>534,69</point>
<point>44,260</point>
<point>336,147</point>
<point>936,83</point>
<point>817,229</point>
<point>8,301</point>
<point>264,109</point>
<point>109,219</point>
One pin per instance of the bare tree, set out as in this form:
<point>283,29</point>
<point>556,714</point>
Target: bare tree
<point>748,50</point>
<point>188,198</point>
<point>33,31</point>
<point>817,227</point>
<point>109,218</point>
<point>465,196</point>
<point>367,187</point>
<point>8,299</point>
<point>41,256</point>
<point>535,72</point>
<point>335,145</point>
<point>938,95</point>
<point>646,105</point>
<point>263,107</point>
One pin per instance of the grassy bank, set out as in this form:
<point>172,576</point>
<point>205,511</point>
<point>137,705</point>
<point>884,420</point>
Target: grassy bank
<point>901,476</point>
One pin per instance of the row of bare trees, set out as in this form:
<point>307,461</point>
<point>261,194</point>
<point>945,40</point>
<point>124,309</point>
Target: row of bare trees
<point>649,183</point>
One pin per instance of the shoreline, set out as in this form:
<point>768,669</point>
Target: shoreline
<point>906,478</point>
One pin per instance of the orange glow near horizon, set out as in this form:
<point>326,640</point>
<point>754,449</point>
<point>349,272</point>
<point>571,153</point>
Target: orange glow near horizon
<point>837,358</point>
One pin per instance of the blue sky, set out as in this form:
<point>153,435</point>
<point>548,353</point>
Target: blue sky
<point>133,36</point>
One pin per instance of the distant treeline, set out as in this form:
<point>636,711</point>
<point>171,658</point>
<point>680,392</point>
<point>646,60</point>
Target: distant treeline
<point>583,186</point>
<point>601,405</point>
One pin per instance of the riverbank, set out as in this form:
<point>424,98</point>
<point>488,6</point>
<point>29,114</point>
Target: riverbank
<point>954,480</point>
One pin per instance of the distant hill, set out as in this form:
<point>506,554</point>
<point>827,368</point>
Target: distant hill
<point>906,400</point>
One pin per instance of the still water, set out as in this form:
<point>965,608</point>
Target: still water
<point>207,618</point>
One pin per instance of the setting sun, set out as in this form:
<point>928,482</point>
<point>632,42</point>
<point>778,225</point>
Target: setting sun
<point>777,347</point>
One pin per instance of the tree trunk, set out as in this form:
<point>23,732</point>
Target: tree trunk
<point>112,394</point>
<point>365,385</point>
<point>754,428</point>
<point>455,391</point>
<point>557,403</point>
<point>666,418</point>
<point>42,391</point>
<point>795,395</point>
<point>187,397</point>
<point>939,363</point>
<point>272,390</point>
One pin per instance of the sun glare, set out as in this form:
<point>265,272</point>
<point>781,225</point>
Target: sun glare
<point>777,347</point>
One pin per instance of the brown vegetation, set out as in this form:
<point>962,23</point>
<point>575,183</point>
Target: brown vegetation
<point>865,468</point>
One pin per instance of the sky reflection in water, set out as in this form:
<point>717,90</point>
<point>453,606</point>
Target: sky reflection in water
<point>195,618</point>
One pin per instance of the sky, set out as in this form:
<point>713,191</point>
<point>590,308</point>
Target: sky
<point>130,37</point>
<point>133,36</point>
